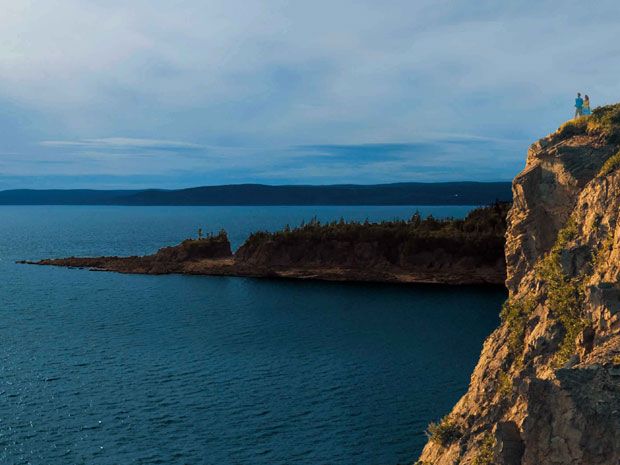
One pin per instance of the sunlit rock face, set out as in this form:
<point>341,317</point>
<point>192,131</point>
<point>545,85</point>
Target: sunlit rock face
<point>546,389</point>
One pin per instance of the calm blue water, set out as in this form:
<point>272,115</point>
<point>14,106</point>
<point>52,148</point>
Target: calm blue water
<point>103,368</point>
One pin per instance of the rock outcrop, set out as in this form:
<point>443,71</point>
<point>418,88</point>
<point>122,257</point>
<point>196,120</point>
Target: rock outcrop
<point>546,389</point>
<point>188,257</point>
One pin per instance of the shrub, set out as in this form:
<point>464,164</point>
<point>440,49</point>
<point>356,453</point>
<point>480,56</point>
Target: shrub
<point>599,258</point>
<point>445,432</point>
<point>486,454</point>
<point>504,384</point>
<point>565,294</point>
<point>606,122</point>
<point>611,164</point>
<point>515,314</point>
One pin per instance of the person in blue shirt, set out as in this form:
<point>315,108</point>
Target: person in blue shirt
<point>578,105</point>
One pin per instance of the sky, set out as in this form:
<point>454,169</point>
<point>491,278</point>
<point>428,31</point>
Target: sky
<point>150,93</point>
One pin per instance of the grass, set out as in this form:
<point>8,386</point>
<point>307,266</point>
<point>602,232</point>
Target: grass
<point>573,127</point>
<point>565,294</point>
<point>486,455</point>
<point>604,121</point>
<point>610,165</point>
<point>444,432</point>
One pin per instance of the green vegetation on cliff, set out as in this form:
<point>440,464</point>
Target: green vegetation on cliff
<point>444,432</point>
<point>564,293</point>
<point>604,121</point>
<point>573,127</point>
<point>515,314</point>
<point>612,164</point>
<point>485,455</point>
<point>504,384</point>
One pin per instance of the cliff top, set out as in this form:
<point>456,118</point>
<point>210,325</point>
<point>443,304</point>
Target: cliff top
<point>604,123</point>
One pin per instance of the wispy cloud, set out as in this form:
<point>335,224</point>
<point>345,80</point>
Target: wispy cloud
<point>325,163</point>
<point>122,143</point>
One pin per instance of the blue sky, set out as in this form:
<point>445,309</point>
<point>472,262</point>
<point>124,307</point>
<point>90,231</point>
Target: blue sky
<point>118,94</point>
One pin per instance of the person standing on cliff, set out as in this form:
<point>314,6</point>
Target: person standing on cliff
<point>586,106</point>
<point>578,105</point>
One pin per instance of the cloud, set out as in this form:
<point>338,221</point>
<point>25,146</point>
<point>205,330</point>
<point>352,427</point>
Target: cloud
<point>320,89</point>
<point>121,143</point>
<point>441,159</point>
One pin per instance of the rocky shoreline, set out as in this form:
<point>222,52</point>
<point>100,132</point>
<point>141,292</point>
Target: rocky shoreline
<point>450,251</point>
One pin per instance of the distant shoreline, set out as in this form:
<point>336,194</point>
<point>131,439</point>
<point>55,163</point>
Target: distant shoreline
<point>398,194</point>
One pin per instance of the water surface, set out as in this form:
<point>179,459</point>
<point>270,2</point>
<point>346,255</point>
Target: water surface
<point>103,368</point>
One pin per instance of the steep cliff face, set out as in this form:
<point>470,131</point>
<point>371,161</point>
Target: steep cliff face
<point>546,389</point>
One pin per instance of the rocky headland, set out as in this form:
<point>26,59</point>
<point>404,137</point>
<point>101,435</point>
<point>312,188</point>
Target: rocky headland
<point>450,251</point>
<point>546,389</point>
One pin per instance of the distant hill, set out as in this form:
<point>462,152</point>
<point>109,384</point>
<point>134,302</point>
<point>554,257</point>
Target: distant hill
<point>445,193</point>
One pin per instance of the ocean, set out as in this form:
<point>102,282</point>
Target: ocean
<point>105,368</point>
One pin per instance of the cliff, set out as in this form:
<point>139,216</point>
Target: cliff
<point>546,389</point>
<point>452,251</point>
